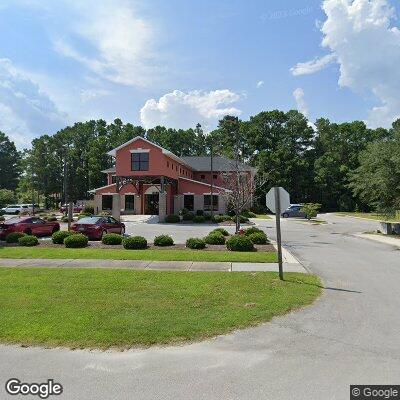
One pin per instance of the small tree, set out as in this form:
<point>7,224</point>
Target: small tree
<point>6,197</point>
<point>311,210</point>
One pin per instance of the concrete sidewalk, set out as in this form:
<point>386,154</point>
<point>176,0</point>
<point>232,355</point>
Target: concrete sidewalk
<point>390,240</point>
<point>151,265</point>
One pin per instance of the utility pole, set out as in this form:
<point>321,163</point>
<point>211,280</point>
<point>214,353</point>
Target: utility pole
<point>278,230</point>
<point>212,180</point>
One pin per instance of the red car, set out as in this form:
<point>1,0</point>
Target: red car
<point>96,226</point>
<point>76,209</point>
<point>29,225</point>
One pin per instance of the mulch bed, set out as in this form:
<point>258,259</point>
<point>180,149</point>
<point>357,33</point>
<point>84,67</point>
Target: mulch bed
<point>100,245</point>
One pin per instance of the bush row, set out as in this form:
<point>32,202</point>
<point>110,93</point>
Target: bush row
<point>196,218</point>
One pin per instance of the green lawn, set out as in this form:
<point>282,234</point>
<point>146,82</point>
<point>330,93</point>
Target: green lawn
<point>374,216</point>
<point>81,308</point>
<point>154,255</point>
<point>263,216</point>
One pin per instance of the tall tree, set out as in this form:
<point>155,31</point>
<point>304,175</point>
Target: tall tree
<point>9,163</point>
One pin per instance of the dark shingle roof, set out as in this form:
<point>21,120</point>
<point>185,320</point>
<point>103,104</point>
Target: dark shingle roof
<point>221,164</point>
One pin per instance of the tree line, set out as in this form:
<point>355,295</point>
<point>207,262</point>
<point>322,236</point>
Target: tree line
<point>345,166</point>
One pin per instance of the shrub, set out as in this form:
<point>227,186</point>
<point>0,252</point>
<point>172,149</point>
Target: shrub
<point>199,219</point>
<point>172,219</point>
<point>112,239</point>
<point>58,237</point>
<point>14,236</point>
<point>223,231</point>
<point>218,219</point>
<point>83,215</point>
<point>258,238</point>
<point>134,242</point>
<point>103,214</point>
<point>251,230</point>
<point>76,240</point>
<point>163,240</point>
<point>200,212</point>
<point>195,243</point>
<point>249,214</point>
<point>52,218</point>
<point>28,241</point>
<point>215,238</point>
<point>207,217</point>
<point>243,219</point>
<point>188,216</point>
<point>311,210</point>
<point>239,243</point>
<point>184,211</point>
<point>88,210</point>
<point>65,219</point>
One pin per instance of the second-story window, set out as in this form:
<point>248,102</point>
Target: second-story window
<point>140,161</point>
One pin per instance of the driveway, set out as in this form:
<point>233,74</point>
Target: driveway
<point>350,336</point>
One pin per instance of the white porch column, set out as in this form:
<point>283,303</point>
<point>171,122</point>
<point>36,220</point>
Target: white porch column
<point>116,206</point>
<point>162,206</point>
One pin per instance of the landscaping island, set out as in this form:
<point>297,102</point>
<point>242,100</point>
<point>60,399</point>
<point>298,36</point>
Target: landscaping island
<point>121,309</point>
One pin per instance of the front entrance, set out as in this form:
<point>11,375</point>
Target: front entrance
<point>129,202</point>
<point>151,204</point>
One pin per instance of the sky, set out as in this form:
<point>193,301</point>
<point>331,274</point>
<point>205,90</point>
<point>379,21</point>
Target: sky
<point>179,62</point>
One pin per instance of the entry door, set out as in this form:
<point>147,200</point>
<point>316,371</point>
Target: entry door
<point>129,202</point>
<point>151,204</point>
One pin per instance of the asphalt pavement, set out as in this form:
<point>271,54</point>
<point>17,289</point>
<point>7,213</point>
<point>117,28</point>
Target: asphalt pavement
<point>351,335</point>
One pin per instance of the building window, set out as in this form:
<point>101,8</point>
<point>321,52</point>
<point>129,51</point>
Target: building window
<point>113,179</point>
<point>188,202</point>
<point>202,177</point>
<point>139,161</point>
<point>207,202</point>
<point>106,202</point>
<point>167,164</point>
<point>215,176</point>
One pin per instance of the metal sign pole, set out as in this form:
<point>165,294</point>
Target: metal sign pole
<point>278,230</point>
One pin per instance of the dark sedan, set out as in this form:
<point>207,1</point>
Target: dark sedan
<point>295,210</point>
<point>96,226</point>
<point>29,225</point>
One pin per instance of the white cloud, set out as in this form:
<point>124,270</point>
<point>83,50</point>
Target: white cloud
<point>313,66</point>
<point>121,41</point>
<point>260,84</point>
<point>24,108</point>
<point>183,110</point>
<point>298,95</point>
<point>367,47</point>
<point>93,93</point>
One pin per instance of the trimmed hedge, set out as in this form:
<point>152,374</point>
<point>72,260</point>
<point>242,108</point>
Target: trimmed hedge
<point>172,219</point>
<point>13,237</point>
<point>251,230</point>
<point>28,241</point>
<point>222,231</point>
<point>249,214</point>
<point>221,218</point>
<point>58,237</point>
<point>199,219</point>
<point>195,243</point>
<point>111,239</point>
<point>188,217</point>
<point>258,238</point>
<point>163,240</point>
<point>239,243</point>
<point>76,240</point>
<point>134,243</point>
<point>215,238</point>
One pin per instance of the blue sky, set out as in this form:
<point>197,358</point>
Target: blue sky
<point>181,62</point>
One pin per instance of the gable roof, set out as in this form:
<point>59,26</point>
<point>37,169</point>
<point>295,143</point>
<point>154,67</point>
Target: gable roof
<point>168,153</point>
<point>220,164</point>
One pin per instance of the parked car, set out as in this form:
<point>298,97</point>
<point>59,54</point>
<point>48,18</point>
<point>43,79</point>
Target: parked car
<point>29,225</point>
<point>95,227</point>
<point>294,210</point>
<point>76,208</point>
<point>17,209</point>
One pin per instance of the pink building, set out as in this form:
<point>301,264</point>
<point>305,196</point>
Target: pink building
<point>148,179</point>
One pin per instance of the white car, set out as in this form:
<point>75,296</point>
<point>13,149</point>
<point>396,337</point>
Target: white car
<point>17,209</point>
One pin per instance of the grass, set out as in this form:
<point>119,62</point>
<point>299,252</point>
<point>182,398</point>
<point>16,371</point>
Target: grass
<point>79,308</point>
<point>374,216</point>
<point>153,255</point>
<point>263,216</point>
